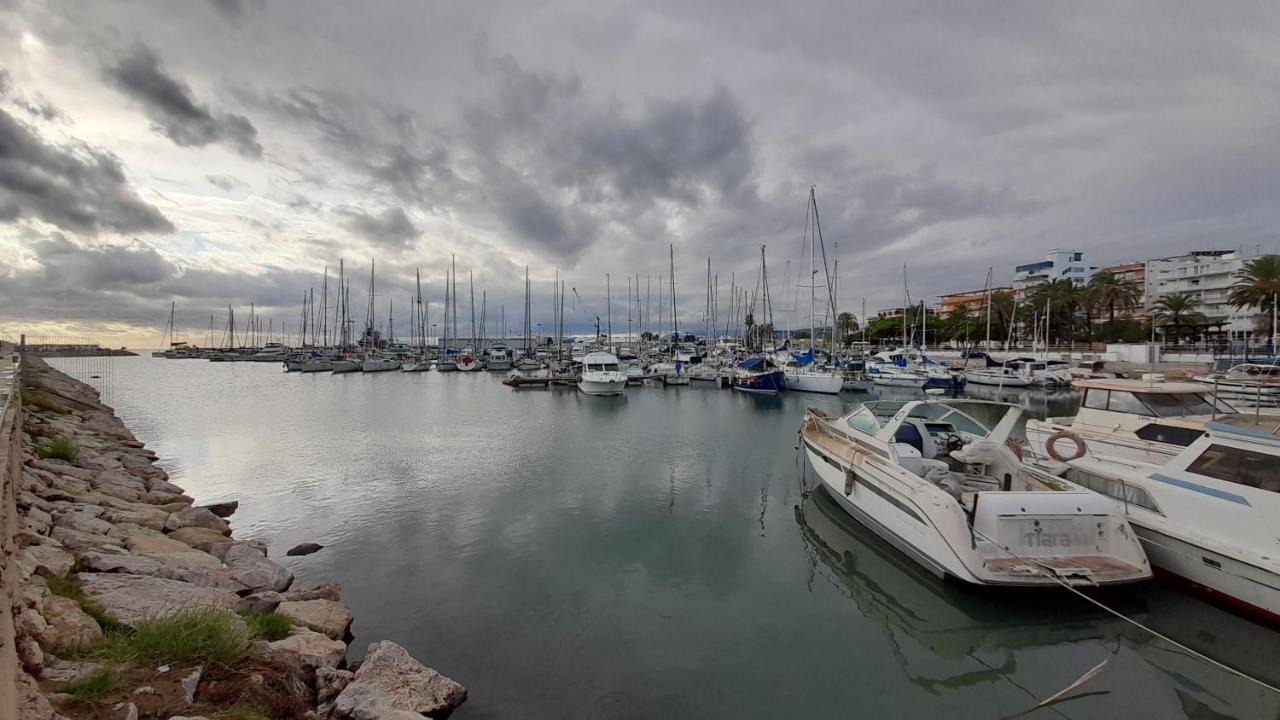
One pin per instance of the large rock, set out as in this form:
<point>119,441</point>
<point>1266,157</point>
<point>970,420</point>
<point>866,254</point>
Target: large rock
<point>304,549</point>
<point>67,627</point>
<point>32,704</point>
<point>252,569</point>
<point>50,561</point>
<point>151,518</point>
<point>195,536</point>
<point>307,650</point>
<point>172,552</point>
<point>120,484</point>
<point>133,564</point>
<point>197,517</point>
<point>84,522</point>
<point>134,598</point>
<point>260,602</point>
<point>327,591</point>
<point>223,509</point>
<point>78,541</point>
<point>390,683</point>
<point>325,616</point>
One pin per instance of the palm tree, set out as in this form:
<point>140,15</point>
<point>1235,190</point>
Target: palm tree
<point>1115,292</point>
<point>1257,286</point>
<point>846,326</point>
<point>1177,313</point>
<point>1062,297</point>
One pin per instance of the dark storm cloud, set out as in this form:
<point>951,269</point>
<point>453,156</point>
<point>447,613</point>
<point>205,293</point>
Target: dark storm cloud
<point>390,229</point>
<point>133,284</point>
<point>77,188</point>
<point>173,109</point>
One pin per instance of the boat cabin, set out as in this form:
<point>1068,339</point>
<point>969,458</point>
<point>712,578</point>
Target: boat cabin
<point>1151,409</point>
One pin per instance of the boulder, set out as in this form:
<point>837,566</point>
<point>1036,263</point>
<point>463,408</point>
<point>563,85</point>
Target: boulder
<point>327,591</point>
<point>324,616</point>
<point>160,497</point>
<point>193,536</point>
<point>307,650</point>
<point>165,486</point>
<point>120,484</point>
<point>197,517</point>
<point>171,552</point>
<point>66,625</point>
<point>304,549</point>
<point>124,530</point>
<point>260,602</point>
<point>38,520</point>
<point>30,656</point>
<point>222,509</point>
<point>391,681</point>
<point>50,561</point>
<point>78,541</point>
<point>151,518</point>
<point>84,522</point>
<point>133,564</point>
<point>134,598</point>
<point>254,570</point>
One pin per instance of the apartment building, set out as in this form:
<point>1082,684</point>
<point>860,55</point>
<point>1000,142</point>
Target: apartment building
<point>1207,274</point>
<point>1056,265</point>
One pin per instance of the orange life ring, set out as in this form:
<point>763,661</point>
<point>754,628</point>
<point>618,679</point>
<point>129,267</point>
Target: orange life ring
<point>1065,435</point>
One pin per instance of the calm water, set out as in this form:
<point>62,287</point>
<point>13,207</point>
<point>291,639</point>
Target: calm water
<point>644,557</point>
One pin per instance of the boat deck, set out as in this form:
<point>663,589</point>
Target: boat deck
<point>1088,565</point>
<point>828,443</point>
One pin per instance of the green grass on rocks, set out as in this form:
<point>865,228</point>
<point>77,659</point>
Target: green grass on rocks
<point>68,586</point>
<point>212,637</point>
<point>267,626</point>
<point>60,447</point>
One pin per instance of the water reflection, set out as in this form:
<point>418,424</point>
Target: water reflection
<point>925,618</point>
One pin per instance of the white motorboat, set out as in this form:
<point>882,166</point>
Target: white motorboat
<point>949,492</point>
<point>1256,382</point>
<point>999,375</point>
<point>417,364</point>
<point>376,363</point>
<point>894,376</point>
<point>1148,420</point>
<point>601,375</point>
<point>1207,515</point>
<point>498,358</point>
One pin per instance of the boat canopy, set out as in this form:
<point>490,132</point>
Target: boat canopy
<point>751,363</point>
<point>803,358</point>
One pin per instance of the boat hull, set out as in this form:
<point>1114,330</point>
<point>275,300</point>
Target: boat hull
<point>981,378</point>
<point>371,366</point>
<point>602,388</point>
<point>498,364</point>
<point>344,366</point>
<point>1223,579</point>
<point>771,382</point>
<point>815,383</point>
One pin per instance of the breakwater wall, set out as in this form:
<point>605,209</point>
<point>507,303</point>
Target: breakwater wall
<point>108,566</point>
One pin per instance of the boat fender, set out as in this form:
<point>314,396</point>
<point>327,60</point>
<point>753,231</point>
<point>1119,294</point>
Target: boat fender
<point>1050,445</point>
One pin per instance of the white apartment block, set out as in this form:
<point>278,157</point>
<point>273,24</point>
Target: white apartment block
<point>1207,274</point>
<point>1057,264</point>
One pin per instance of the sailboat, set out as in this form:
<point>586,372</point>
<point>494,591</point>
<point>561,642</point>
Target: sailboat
<point>1000,375</point>
<point>448,356</point>
<point>758,374</point>
<point>469,360</point>
<point>374,361</point>
<point>802,372</point>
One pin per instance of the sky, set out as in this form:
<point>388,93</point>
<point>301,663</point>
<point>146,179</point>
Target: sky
<point>226,152</point>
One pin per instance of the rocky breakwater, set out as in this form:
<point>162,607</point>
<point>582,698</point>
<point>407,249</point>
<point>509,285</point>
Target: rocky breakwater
<point>136,603</point>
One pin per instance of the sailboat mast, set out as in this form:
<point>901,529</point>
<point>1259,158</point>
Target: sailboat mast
<point>675,319</point>
<point>608,311</point>
<point>472,279</point>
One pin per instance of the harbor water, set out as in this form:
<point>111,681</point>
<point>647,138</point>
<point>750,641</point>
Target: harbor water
<point>652,555</point>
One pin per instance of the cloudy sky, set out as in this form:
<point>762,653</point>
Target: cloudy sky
<point>225,152</point>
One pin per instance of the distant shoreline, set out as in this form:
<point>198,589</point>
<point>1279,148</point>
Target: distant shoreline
<point>103,352</point>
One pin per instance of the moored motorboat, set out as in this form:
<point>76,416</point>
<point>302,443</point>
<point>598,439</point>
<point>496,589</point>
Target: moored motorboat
<point>948,491</point>
<point>1209,513</point>
<point>601,375</point>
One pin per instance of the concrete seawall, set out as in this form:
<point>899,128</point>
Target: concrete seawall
<point>98,545</point>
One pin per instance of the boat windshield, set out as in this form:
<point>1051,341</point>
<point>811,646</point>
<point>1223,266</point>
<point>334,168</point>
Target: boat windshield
<point>605,367</point>
<point>1153,404</point>
<point>873,416</point>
